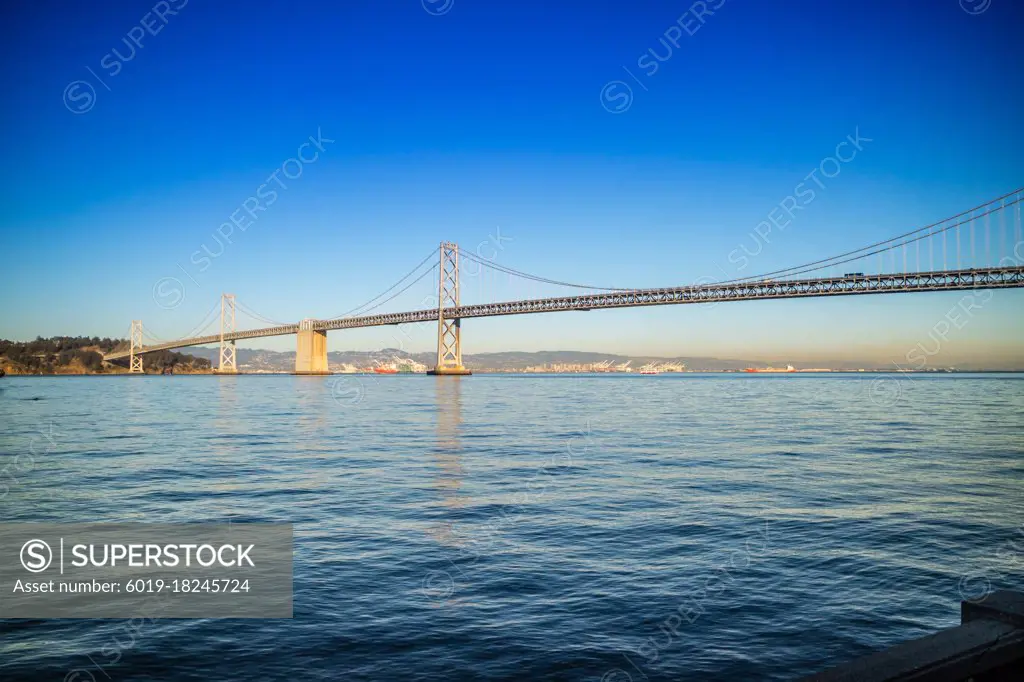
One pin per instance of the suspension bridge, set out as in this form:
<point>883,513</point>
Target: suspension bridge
<point>981,248</point>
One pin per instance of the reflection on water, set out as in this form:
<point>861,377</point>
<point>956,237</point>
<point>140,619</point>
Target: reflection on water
<point>227,404</point>
<point>447,455</point>
<point>448,399</point>
<point>314,395</point>
<point>441,529</point>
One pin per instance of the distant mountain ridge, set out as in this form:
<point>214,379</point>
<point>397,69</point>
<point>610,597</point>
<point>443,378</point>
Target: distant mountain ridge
<point>257,360</point>
<point>84,355</point>
<point>254,360</point>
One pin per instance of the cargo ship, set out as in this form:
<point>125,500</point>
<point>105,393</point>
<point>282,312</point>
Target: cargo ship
<point>771,370</point>
<point>385,368</point>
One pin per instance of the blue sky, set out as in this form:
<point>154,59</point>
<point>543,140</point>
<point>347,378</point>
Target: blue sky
<point>453,120</point>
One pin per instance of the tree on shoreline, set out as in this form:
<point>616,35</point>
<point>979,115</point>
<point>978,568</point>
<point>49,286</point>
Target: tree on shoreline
<point>47,356</point>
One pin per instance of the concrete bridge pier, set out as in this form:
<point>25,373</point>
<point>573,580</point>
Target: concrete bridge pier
<point>311,350</point>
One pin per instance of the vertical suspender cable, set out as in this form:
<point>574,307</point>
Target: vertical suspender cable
<point>974,263</point>
<point>958,246</point>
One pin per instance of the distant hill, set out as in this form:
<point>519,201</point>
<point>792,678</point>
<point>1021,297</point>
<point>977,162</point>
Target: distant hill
<point>84,355</point>
<point>254,360</point>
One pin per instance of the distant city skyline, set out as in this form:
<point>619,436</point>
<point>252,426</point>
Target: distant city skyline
<point>1013,360</point>
<point>308,181</point>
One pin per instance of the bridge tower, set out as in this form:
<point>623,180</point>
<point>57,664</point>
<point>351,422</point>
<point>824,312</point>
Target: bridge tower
<point>311,351</point>
<point>449,341</point>
<point>134,356</point>
<point>227,326</point>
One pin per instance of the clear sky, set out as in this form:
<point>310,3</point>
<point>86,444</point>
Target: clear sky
<point>132,131</point>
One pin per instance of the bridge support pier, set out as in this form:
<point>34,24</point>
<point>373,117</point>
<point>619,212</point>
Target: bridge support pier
<point>311,350</point>
<point>449,337</point>
<point>227,326</point>
<point>134,357</point>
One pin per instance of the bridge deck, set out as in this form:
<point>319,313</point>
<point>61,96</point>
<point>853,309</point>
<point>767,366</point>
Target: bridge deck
<point>946,280</point>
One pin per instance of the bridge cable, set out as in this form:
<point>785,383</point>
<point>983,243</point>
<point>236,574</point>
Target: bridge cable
<point>256,316</point>
<point>790,271</point>
<point>855,254</point>
<point>893,239</point>
<point>157,340</point>
<point>202,326</point>
<point>827,262</point>
<point>432,254</point>
<point>518,273</point>
<point>399,293</point>
<point>151,337</point>
<point>859,256</point>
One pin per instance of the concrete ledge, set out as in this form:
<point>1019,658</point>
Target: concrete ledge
<point>1005,606</point>
<point>988,645</point>
<point>312,374</point>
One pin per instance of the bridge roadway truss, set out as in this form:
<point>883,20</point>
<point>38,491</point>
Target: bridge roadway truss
<point>848,285</point>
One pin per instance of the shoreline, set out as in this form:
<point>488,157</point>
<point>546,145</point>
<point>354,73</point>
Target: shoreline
<point>843,372</point>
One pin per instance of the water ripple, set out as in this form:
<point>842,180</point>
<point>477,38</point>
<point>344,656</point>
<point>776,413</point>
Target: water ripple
<point>544,528</point>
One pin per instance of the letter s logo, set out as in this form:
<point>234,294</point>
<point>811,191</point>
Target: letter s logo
<point>36,556</point>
